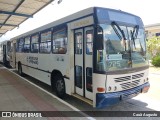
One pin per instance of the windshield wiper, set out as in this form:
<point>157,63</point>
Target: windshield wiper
<point>134,34</point>
<point>116,31</point>
<point>120,34</point>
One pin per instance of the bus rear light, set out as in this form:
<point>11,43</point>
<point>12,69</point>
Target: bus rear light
<point>99,89</point>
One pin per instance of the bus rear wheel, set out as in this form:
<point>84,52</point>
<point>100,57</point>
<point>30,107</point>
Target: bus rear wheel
<point>20,70</point>
<point>60,87</point>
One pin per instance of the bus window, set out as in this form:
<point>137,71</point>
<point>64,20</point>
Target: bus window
<point>20,45</point>
<point>78,76</point>
<point>27,44</point>
<point>8,46</point>
<point>60,42</point>
<point>89,79</point>
<point>78,38</point>
<point>34,44</point>
<point>45,44</point>
<point>89,42</point>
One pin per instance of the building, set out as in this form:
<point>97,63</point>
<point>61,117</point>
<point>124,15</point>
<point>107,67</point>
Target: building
<point>152,30</point>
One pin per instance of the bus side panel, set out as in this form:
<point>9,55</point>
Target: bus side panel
<point>71,84</point>
<point>51,62</point>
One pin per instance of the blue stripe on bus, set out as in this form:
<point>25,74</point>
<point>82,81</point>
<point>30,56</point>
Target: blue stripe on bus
<point>64,76</point>
<point>108,99</point>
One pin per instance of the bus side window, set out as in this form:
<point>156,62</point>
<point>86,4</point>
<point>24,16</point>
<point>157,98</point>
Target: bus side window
<point>27,44</point>
<point>60,42</point>
<point>20,45</point>
<point>45,44</point>
<point>89,79</point>
<point>89,42</point>
<point>78,42</point>
<point>34,44</point>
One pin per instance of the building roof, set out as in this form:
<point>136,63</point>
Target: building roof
<point>15,12</point>
<point>157,25</point>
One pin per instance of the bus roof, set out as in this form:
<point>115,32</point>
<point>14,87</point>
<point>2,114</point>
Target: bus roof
<point>3,42</point>
<point>67,19</point>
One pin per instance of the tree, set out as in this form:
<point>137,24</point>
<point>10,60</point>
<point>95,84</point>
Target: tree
<point>153,46</point>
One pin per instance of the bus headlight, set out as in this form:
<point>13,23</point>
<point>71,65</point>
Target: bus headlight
<point>147,79</point>
<point>115,88</point>
<point>109,88</point>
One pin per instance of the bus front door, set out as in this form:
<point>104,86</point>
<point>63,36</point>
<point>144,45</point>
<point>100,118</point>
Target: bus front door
<point>83,42</point>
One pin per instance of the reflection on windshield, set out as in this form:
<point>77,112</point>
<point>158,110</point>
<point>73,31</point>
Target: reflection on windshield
<point>139,51</point>
<point>124,47</point>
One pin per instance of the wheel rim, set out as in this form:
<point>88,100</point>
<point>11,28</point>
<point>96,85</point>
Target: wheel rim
<point>60,86</point>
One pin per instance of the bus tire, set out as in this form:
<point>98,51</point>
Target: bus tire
<point>4,61</point>
<point>20,69</point>
<point>60,86</point>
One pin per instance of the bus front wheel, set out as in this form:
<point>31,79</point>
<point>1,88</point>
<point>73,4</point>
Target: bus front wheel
<point>60,87</point>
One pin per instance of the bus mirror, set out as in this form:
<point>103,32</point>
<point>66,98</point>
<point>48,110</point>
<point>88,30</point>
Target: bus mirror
<point>99,39</point>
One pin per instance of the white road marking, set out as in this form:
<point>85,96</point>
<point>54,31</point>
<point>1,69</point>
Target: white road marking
<point>2,67</point>
<point>69,105</point>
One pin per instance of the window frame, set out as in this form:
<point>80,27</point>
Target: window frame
<point>27,44</point>
<point>64,29</point>
<point>92,31</point>
<point>22,49</point>
<point>78,43</point>
<point>34,43</point>
<point>45,31</point>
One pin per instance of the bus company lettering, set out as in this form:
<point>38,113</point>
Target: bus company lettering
<point>32,60</point>
<point>82,23</point>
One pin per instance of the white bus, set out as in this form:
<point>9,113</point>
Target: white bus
<point>4,52</point>
<point>97,55</point>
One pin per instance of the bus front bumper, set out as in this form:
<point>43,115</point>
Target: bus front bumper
<point>108,99</point>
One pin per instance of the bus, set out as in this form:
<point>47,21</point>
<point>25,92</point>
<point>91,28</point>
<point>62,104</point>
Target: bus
<point>97,55</point>
<point>4,52</point>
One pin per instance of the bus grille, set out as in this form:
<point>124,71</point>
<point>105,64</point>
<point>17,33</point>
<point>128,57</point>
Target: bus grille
<point>129,85</point>
<point>137,76</point>
<point>122,79</point>
<point>131,81</point>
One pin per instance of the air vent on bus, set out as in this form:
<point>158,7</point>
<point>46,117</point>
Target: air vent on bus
<point>131,84</point>
<point>122,79</point>
<point>137,76</point>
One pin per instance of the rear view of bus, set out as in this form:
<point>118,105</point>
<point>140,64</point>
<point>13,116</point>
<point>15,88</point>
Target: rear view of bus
<point>120,64</point>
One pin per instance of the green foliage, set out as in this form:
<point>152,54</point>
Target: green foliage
<point>153,46</point>
<point>156,61</point>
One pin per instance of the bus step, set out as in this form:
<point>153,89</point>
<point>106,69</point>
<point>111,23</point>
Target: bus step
<point>90,102</point>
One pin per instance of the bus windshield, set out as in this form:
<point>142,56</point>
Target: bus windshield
<point>123,47</point>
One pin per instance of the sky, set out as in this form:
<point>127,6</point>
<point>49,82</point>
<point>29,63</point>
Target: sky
<point>148,10</point>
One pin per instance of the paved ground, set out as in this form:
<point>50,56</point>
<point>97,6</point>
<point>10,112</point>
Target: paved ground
<point>18,95</point>
<point>154,70</point>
